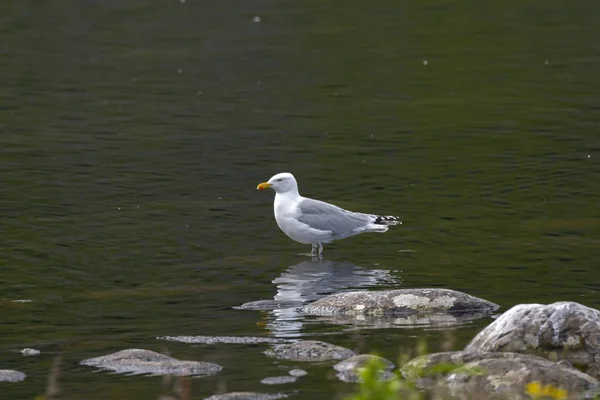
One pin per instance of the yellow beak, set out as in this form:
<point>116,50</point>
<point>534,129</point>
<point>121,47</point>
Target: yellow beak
<point>264,185</point>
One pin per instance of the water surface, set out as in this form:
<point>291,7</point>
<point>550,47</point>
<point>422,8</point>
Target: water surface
<point>133,135</point>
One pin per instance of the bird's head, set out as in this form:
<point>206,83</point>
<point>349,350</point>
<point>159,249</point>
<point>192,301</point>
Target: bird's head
<point>281,183</point>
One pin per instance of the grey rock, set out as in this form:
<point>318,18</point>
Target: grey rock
<point>278,380</point>
<point>247,396</point>
<point>399,302</point>
<point>354,376</point>
<point>559,331</point>
<point>9,375</point>
<point>139,361</point>
<point>493,375</point>
<point>297,373</point>
<point>359,361</point>
<point>309,350</point>
<point>349,369</point>
<point>221,339</point>
<point>269,305</point>
<point>30,352</point>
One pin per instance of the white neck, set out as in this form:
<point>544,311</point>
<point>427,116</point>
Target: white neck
<point>289,197</point>
<point>290,194</point>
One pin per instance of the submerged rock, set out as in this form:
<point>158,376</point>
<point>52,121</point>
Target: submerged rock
<point>278,380</point>
<point>221,339</point>
<point>349,369</point>
<point>9,375</point>
<point>559,331</point>
<point>354,376</point>
<point>30,352</point>
<point>361,360</point>
<point>309,350</point>
<point>139,361</point>
<point>297,373</point>
<point>247,396</point>
<point>465,375</point>
<point>399,302</point>
<point>269,305</point>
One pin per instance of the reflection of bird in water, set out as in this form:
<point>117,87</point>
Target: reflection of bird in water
<point>315,222</point>
<point>311,280</point>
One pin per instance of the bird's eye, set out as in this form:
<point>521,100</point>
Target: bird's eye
<point>279,180</point>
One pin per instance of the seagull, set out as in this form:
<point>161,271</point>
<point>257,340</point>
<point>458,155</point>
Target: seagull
<point>315,222</point>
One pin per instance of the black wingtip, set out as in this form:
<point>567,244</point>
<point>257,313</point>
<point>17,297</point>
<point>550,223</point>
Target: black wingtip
<point>386,220</point>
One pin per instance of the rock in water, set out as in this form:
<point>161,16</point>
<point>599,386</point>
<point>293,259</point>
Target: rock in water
<point>9,375</point>
<point>484,376</point>
<point>399,302</point>
<point>30,352</point>
<point>221,339</point>
<point>559,331</point>
<point>139,361</point>
<point>297,373</point>
<point>278,380</point>
<point>352,363</point>
<point>269,305</point>
<point>309,350</point>
<point>349,369</point>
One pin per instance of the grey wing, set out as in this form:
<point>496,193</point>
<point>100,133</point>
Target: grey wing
<point>327,217</point>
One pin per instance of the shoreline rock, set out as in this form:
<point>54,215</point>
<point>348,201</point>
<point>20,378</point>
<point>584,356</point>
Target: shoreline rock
<point>489,375</point>
<point>559,331</point>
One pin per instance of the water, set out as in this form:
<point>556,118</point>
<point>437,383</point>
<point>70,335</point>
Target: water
<point>133,135</point>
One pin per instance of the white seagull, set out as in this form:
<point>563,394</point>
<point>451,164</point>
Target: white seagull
<point>315,222</point>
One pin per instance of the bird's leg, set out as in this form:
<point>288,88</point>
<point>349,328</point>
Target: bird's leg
<point>320,248</point>
<point>313,252</point>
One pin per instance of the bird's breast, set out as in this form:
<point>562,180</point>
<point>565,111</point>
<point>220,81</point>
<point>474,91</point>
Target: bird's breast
<point>283,211</point>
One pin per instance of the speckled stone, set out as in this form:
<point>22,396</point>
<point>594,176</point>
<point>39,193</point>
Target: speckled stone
<point>278,380</point>
<point>559,331</point>
<point>221,339</point>
<point>139,361</point>
<point>490,376</point>
<point>309,350</point>
<point>398,302</point>
<point>9,375</point>
<point>298,373</point>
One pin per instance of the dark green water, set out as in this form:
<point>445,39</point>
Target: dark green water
<point>133,134</point>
